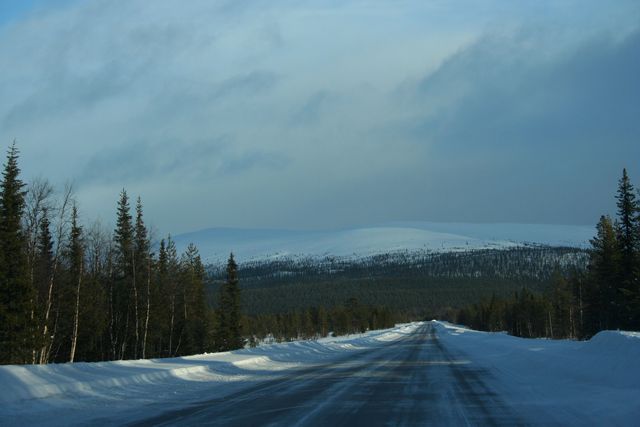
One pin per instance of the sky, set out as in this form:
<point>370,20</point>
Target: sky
<point>315,115</point>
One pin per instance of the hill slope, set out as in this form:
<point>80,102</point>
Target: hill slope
<point>263,244</point>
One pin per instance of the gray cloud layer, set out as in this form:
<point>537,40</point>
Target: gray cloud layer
<point>290,114</point>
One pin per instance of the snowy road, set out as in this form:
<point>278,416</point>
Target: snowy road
<point>415,380</point>
<point>428,373</point>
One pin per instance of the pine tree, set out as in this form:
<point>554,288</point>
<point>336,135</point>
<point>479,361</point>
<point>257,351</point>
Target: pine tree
<point>229,334</point>
<point>323,323</point>
<point>627,227</point>
<point>603,298</point>
<point>160,304</point>
<point>16,293</point>
<point>75,254</point>
<point>43,272</point>
<point>561,307</point>
<point>123,315</point>
<point>196,318</point>
<point>93,336</point>
<point>627,231</point>
<point>171,290</point>
<point>142,277</point>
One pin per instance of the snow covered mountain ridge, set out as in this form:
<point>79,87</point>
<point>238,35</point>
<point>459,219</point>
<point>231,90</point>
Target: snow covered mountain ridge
<point>215,244</point>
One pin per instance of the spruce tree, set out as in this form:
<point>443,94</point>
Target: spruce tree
<point>160,304</point>
<point>43,272</point>
<point>16,291</point>
<point>196,319</point>
<point>229,333</point>
<point>123,321</point>
<point>142,278</point>
<point>603,298</point>
<point>627,227</point>
<point>75,255</point>
<point>628,242</point>
<point>172,291</point>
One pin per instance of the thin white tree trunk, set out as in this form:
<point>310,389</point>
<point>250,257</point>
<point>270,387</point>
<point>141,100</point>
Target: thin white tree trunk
<point>46,340</point>
<point>146,321</point>
<point>76,317</point>
<point>47,345</point>
<point>135,304</point>
<point>173,309</point>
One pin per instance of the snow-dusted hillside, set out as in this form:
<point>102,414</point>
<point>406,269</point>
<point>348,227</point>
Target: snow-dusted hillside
<point>259,244</point>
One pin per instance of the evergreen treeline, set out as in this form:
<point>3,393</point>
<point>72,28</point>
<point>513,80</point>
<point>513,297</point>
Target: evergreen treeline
<point>70,292</point>
<point>579,305</point>
<point>520,263</point>
<point>317,322</point>
<point>412,286</point>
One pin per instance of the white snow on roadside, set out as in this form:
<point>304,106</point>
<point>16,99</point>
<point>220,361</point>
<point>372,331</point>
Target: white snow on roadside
<point>594,382</point>
<point>62,394</point>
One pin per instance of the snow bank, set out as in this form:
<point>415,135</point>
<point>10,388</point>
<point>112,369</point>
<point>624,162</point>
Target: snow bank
<point>76,393</point>
<point>595,381</point>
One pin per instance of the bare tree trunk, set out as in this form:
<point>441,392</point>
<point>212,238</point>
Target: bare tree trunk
<point>37,203</point>
<point>173,309</point>
<point>46,340</point>
<point>146,321</point>
<point>62,223</point>
<point>581,309</point>
<point>112,333</point>
<point>123,348</point>
<point>76,317</point>
<point>573,323</point>
<point>34,350</point>
<point>179,342</point>
<point>135,304</point>
<point>49,348</point>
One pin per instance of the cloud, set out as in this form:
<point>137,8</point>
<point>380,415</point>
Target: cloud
<point>311,115</point>
<point>508,92</point>
<point>311,109</point>
<point>192,162</point>
<point>515,121</point>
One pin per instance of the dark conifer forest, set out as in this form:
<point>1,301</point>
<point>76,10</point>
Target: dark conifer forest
<point>583,302</point>
<point>74,290</point>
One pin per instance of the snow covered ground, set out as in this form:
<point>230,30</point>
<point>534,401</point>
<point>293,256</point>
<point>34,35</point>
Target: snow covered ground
<point>65,394</point>
<point>559,382</point>
<point>431,369</point>
<point>259,244</point>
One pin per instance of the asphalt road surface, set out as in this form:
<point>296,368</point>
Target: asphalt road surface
<point>412,381</point>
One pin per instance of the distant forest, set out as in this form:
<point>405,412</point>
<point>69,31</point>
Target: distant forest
<point>81,292</point>
<point>581,303</point>
<point>305,298</point>
<point>72,292</point>
<point>412,285</point>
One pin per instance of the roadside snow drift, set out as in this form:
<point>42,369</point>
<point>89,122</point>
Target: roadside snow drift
<point>63,394</point>
<point>542,382</point>
<point>595,382</point>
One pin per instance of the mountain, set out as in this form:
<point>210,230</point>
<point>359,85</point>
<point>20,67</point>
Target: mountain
<point>215,244</point>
